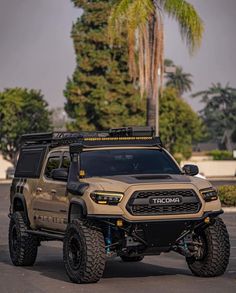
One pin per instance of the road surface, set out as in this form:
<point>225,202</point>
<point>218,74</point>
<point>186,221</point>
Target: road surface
<point>165,273</point>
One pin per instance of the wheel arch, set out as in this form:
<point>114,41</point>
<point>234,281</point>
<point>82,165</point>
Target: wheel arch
<point>77,209</point>
<point>19,205</point>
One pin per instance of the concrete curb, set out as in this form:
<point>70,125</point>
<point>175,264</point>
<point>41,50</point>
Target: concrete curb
<point>229,209</point>
<point>5,181</point>
<point>221,178</point>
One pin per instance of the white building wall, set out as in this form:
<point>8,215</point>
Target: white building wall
<point>3,167</point>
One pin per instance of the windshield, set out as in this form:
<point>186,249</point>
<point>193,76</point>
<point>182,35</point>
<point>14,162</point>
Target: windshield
<point>127,161</point>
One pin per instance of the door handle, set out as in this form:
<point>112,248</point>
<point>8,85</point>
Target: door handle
<point>38,189</point>
<point>53,191</point>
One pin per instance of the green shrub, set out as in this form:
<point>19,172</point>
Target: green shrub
<point>221,155</point>
<point>227,195</point>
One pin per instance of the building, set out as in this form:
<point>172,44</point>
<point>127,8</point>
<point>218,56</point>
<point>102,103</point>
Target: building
<point>3,167</point>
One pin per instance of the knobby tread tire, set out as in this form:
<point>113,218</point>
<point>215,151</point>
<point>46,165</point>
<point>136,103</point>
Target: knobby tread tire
<point>217,255</point>
<point>93,252</point>
<point>26,249</point>
<point>125,258</point>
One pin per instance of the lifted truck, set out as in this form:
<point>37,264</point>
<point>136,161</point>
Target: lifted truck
<point>116,192</point>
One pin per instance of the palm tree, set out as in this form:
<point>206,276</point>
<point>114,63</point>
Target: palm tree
<point>179,80</point>
<point>142,20</point>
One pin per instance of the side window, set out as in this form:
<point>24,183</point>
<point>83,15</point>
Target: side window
<point>65,161</point>
<point>30,162</point>
<point>52,163</point>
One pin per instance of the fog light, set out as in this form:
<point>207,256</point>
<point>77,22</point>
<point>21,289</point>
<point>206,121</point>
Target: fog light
<point>119,223</point>
<point>207,220</point>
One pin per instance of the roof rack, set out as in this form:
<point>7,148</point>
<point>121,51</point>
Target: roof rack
<point>66,138</point>
<point>58,138</point>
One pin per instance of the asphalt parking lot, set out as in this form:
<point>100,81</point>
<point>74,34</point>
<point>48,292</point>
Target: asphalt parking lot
<point>165,273</point>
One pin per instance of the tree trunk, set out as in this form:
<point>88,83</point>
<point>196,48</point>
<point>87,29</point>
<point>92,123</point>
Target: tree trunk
<point>151,111</point>
<point>14,158</point>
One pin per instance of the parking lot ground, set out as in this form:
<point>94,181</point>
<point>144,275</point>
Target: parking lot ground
<point>164,273</point>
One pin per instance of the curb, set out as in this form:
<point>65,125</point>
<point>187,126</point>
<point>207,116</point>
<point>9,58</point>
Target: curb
<point>221,179</point>
<point>229,209</point>
<point>5,181</point>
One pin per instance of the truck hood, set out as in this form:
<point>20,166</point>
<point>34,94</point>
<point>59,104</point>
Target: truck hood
<point>121,183</point>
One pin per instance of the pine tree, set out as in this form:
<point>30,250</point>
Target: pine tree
<point>100,93</point>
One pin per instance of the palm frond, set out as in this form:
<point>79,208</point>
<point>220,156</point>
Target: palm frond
<point>133,17</point>
<point>131,14</point>
<point>191,25</point>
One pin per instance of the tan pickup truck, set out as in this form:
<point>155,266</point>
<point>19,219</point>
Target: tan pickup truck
<point>112,193</point>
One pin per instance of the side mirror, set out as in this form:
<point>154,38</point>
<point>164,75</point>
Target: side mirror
<point>60,174</point>
<point>191,170</point>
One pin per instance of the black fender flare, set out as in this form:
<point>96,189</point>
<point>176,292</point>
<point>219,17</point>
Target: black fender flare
<point>19,196</point>
<point>79,203</point>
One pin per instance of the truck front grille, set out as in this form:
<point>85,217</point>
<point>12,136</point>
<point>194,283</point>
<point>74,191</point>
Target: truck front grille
<point>146,203</point>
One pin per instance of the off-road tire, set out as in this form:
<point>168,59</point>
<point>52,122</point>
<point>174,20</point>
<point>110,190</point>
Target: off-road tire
<point>23,247</point>
<point>216,257</point>
<point>84,252</point>
<point>126,258</point>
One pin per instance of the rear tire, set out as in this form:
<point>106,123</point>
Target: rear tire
<point>23,247</point>
<point>84,252</point>
<point>138,258</point>
<point>216,252</point>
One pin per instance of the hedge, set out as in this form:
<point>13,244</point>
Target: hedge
<point>221,155</point>
<point>227,195</point>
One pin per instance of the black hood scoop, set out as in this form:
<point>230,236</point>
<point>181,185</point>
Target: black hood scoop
<point>153,177</point>
<point>150,178</point>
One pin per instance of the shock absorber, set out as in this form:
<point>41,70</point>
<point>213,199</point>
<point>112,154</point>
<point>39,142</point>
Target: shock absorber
<point>108,239</point>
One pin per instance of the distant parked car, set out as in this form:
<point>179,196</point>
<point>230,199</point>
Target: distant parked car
<point>10,173</point>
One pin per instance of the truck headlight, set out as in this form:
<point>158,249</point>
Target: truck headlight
<point>106,197</point>
<point>210,194</point>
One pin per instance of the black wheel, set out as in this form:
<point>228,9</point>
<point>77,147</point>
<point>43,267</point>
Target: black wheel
<point>126,258</point>
<point>84,252</point>
<point>213,251</point>
<point>23,247</point>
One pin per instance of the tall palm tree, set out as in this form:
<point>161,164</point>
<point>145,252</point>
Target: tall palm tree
<point>142,20</point>
<point>179,80</point>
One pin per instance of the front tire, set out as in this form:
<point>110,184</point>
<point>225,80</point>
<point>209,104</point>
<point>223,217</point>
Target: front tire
<point>215,251</point>
<point>84,252</point>
<point>23,247</point>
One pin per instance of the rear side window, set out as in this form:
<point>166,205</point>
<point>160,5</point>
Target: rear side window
<point>52,163</point>
<point>30,162</point>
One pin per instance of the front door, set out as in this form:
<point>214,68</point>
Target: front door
<point>50,203</point>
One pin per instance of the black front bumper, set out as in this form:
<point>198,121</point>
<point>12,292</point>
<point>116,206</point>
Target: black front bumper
<point>161,234</point>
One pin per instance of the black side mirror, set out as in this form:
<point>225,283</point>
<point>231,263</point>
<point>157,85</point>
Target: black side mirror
<point>191,170</point>
<point>60,174</point>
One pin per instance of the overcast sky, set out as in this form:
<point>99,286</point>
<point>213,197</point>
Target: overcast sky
<point>36,50</point>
